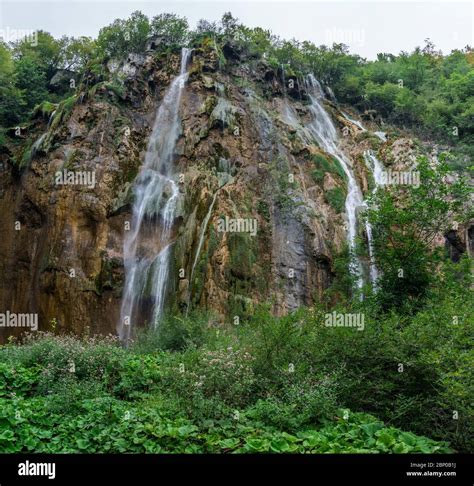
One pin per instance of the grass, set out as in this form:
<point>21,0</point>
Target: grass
<point>336,198</point>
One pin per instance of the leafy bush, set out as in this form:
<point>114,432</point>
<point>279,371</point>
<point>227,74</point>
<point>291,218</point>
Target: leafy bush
<point>18,380</point>
<point>171,30</point>
<point>175,333</point>
<point>302,403</point>
<point>58,358</point>
<point>404,223</point>
<point>124,36</point>
<point>209,384</point>
<point>274,389</point>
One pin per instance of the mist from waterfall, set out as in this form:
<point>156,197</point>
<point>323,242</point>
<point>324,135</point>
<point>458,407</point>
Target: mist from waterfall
<point>148,244</point>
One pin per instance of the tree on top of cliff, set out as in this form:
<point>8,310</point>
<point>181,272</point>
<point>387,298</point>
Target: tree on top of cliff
<point>170,29</point>
<point>424,90</point>
<point>124,36</point>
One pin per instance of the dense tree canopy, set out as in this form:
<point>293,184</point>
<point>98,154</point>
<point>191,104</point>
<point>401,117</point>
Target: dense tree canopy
<point>423,90</point>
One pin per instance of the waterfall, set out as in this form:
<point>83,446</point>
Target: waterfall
<point>201,242</point>
<point>51,118</point>
<point>37,145</point>
<point>148,244</point>
<point>376,167</point>
<point>377,170</point>
<point>354,122</point>
<point>380,135</point>
<point>324,131</point>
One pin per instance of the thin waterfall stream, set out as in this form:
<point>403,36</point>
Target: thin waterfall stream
<point>377,169</point>
<point>200,244</point>
<point>323,130</point>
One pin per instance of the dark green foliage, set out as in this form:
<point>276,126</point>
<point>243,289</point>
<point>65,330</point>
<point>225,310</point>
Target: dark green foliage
<point>247,390</point>
<point>171,30</point>
<point>31,81</point>
<point>108,425</point>
<point>431,93</point>
<point>124,36</point>
<point>424,90</point>
<point>242,256</point>
<point>175,333</point>
<point>405,221</point>
<point>27,67</point>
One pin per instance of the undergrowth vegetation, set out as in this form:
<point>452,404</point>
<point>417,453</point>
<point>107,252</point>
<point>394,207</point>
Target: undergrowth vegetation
<point>288,384</point>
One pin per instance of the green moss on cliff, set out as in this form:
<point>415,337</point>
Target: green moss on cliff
<point>44,109</point>
<point>336,198</point>
<point>63,111</point>
<point>242,255</point>
<point>326,163</point>
<point>107,279</point>
<point>200,271</point>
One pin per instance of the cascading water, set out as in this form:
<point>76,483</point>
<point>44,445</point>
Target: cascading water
<point>37,145</point>
<point>377,169</point>
<point>324,131</point>
<point>148,244</point>
<point>355,122</point>
<point>380,135</point>
<point>200,243</point>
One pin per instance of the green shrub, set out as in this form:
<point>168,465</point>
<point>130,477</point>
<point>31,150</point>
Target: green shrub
<point>67,394</point>
<point>174,333</point>
<point>224,374</point>
<point>18,380</point>
<point>275,375</point>
<point>304,402</point>
<point>96,359</point>
<point>138,374</point>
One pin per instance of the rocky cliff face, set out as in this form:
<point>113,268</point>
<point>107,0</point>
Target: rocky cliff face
<point>243,157</point>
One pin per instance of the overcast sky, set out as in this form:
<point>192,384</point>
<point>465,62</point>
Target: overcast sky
<point>367,27</point>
